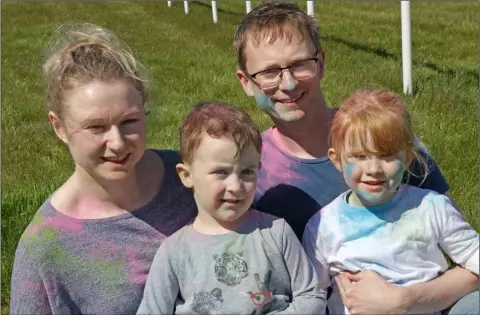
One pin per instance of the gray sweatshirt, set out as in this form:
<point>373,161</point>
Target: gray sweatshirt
<point>65,265</point>
<point>260,268</point>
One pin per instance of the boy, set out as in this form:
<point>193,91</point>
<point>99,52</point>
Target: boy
<point>231,259</point>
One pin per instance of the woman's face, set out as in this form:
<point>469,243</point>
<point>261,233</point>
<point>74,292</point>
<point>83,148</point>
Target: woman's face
<point>104,126</point>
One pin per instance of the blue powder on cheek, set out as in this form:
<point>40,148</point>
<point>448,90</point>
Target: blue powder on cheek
<point>263,101</point>
<point>348,169</point>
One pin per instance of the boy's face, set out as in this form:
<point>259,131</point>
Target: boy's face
<point>223,184</point>
<point>293,98</point>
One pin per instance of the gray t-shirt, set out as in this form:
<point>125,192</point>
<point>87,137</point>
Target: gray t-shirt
<point>65,265</point>
<point>260,268</point>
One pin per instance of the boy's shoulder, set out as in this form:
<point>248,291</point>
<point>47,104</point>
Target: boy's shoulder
<point>266,220</point>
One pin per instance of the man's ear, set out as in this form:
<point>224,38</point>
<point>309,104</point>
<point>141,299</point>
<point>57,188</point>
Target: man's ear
<point>246,84</point>
<point>185,175</point>
<point>332,155</point>
<point>58,126</point>
<point>321,64</point>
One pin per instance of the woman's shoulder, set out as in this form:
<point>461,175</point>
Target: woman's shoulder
<point>41,235</point>
<point>169,156</point>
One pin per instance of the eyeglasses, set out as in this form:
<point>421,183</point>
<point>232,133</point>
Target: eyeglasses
<point>300,70</point>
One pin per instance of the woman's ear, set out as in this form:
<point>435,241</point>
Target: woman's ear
<point>332,155</point>
<point>185,175</point>
<point>58,126</point>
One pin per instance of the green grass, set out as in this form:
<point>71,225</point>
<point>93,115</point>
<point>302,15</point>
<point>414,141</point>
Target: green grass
<point>191,59</point>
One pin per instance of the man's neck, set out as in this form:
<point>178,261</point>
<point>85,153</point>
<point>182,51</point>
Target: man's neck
<point>307,137</point>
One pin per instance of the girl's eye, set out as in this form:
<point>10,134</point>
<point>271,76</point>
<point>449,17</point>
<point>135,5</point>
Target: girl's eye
<point>359,156</point>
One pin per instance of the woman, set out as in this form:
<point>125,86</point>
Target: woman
<point>90,245</point>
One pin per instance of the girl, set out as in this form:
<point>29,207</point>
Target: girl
<point>89,247</point>
<point>379,224</point>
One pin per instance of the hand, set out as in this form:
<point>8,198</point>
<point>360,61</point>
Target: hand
<point>368,293</point>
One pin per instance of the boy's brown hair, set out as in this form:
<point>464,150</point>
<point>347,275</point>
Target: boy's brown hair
<point>217,119</point>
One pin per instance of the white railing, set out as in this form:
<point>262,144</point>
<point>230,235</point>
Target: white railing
<point>406,35</point>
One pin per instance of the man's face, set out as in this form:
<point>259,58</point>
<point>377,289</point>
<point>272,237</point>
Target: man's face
<point>294,97</point>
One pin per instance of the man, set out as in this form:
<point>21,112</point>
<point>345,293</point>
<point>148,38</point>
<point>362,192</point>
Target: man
<point>281,64</point>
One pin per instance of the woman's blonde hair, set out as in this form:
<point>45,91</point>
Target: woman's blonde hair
<point>82,53</point>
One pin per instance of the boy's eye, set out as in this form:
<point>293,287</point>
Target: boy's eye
<point>248,172</point>
<point>220,172</point>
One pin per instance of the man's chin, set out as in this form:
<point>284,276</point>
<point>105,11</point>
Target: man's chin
<point>287,117</point>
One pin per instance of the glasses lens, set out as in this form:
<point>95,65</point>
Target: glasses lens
<point>304,69</point>
<point>269,78</point>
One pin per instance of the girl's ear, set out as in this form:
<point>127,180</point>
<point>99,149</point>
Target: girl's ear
<point>185,174</point>
<point>58,126</point>
<point>332,155</point>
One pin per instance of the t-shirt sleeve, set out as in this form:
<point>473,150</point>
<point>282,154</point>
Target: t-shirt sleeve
<point>28,290</point>
<point>455,236</point>
<point>162,288</point>
<point>313,247</point>
<point>307,296</point>
<point>434,179</point>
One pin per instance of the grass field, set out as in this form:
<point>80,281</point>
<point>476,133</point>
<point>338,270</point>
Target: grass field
<point>191,59</point>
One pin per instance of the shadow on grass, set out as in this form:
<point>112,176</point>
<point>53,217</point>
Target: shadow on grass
<point>228,12</point>
<point>381,52</point>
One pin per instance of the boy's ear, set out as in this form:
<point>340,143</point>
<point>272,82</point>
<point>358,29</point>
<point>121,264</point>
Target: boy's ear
<point>246,85</point>
<point>58,126</point>
<point>185,175</point>
<point>332,155</point>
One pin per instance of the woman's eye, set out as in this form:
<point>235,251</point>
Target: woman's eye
<point>95,128</point>
<point>129,121</point>
<point>220,172</point>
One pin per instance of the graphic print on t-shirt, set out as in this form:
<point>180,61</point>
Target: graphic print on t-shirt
<point>263,299</point>
<point>206,303</point>
<point>230,268</point>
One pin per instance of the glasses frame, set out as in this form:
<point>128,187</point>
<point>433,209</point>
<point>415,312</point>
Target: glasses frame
<point>282,69</point>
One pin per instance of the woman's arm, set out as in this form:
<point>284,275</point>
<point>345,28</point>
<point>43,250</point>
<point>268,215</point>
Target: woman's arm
<point>367,293</point>
<point>28,292</point>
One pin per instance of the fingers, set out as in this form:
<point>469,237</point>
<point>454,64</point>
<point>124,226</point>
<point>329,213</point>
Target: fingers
<point>342,283</point>
<point>354,276</point>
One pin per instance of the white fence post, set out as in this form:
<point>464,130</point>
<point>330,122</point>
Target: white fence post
<point>169,3</point>
<point>406,48</point>
<point>248,5</point>
<point>214,11</point>
<point>310,8</point>
<point>185,5</point>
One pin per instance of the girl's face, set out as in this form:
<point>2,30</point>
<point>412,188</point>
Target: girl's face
<point>104,127</point>
<point>373,178</point>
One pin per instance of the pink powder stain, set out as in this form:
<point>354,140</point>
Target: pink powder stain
<point>280,171</point>
<point>33,287</point>
<point>54,223</point>
<point>139,260</point>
